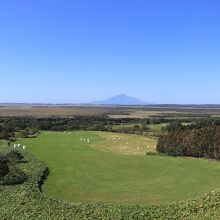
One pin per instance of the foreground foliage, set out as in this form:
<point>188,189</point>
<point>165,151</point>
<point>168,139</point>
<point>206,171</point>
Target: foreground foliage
<point>25,201</point>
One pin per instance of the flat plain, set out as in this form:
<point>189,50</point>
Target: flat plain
<point>140,112</point>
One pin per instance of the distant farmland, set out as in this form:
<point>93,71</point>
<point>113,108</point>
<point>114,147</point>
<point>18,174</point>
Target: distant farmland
<point>114,112</point>
<point>57,111</point>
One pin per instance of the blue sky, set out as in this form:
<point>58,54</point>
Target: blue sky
<point>86,50</point>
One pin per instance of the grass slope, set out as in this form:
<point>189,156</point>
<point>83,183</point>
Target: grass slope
<point>81,172</point>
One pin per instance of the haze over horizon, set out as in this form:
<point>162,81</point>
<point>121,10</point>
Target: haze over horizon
<point>85,51</point>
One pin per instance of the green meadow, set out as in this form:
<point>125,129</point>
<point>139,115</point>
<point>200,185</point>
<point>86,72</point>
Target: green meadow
<point>114,168</point>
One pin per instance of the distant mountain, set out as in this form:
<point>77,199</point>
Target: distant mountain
<point>121,99</point>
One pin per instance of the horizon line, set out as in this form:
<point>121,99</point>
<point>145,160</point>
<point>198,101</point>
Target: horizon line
<point>92,104</point>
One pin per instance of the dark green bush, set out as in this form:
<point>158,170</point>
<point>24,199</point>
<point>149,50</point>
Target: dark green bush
<point>15,156</point>
<point>10,173</point>
<point>151,153</point>
<point>4,169</point>
<point>15,176</point>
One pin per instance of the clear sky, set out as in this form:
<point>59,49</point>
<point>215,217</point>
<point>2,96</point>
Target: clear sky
<point>161,51</point>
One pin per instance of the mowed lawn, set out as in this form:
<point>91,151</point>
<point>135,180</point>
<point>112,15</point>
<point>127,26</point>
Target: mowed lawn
<point>82,172</point>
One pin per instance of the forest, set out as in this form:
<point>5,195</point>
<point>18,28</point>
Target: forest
<point>197,139</point>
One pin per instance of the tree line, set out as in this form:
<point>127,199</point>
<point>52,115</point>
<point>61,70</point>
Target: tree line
<point>13,127</point>
<point>200,138</point>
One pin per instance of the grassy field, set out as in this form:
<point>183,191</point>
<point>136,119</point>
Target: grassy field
<point>129,144</point>
<point>98,171</point>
